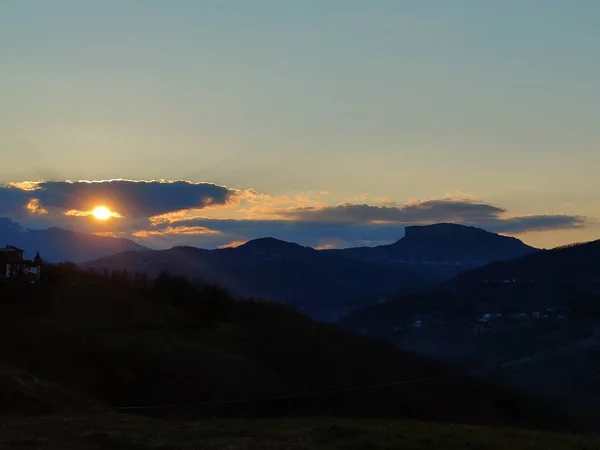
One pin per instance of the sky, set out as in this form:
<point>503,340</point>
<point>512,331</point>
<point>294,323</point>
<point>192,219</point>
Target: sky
<point>325,122</point>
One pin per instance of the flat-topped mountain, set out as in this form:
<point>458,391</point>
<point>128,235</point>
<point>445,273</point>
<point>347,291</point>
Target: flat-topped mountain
<point>443,250</point>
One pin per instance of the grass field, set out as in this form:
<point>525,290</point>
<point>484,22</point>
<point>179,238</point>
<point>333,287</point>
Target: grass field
<point>116,431</point>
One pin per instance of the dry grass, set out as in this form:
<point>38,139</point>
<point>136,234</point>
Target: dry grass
<point>113,431</point>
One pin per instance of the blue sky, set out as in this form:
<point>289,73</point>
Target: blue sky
<point>379,102</point>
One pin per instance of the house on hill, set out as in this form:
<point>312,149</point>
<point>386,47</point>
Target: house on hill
<point>13,265</point>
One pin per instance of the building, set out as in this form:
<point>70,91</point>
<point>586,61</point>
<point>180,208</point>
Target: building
<point>13,265</point>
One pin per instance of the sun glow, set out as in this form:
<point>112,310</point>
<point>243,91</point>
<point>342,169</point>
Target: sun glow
<point>102,213</point>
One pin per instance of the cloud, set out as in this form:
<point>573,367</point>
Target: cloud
<point>13,200</point>
<point>34,207</point>
<point>428,211</point>
<point>161,213</point>
<point>355,225</point>
<point>100,211</point>
<point>232,244</point>
<point>129,198</point>
<point>179,230</point>
<point>523,224</point>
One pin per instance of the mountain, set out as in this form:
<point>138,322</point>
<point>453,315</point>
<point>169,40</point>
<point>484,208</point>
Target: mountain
<point>534,321</point>
<point>199,353</point>
<point>57,244</point>
<point>329,283</point>
<point>322,284</point>
<point>442,250</point>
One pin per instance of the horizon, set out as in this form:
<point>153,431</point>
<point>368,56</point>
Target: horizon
<point>260,237</point>
<point>331,123</point>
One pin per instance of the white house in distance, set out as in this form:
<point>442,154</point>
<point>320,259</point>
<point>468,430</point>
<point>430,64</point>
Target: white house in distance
<point>13,265</point>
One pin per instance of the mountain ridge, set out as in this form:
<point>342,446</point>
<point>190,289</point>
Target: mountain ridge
<point>323,283</point>
<point>58,244</point>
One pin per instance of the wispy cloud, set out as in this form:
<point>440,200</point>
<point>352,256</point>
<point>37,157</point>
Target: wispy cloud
<point>182,230</point>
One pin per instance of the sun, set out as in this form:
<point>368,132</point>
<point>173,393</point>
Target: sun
<point>102,213</point>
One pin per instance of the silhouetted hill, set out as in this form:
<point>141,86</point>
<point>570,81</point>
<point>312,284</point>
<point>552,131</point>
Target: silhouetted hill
<point>120,431</point>
<point>323,284</point>
<point>443,250</point>
<point>57,244</point>
<point>577,264</point>
<point>125,340</point>
<point>542,310</point>
<point>276,246</point>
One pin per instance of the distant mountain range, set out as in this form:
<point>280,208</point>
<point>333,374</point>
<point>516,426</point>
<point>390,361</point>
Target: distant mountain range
<point>57,244</point>
<point>328,283</point>
<point>322,283</point>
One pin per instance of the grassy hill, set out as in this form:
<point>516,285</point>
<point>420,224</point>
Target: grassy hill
<point>23,394</point>
<point>542,338</point>
<point>122,340</point>
<point>118,431</point>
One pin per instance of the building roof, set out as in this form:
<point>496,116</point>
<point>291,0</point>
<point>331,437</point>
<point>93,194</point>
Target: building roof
<point>11,248</point>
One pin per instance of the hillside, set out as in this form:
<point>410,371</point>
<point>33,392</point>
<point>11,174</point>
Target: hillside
<point>324,285</point>
<point>57,244</point>
<point>571,265</point>
<point>119,432</point>
<point>22,394</point>
<point>169,343</point>
<point>538,315</point>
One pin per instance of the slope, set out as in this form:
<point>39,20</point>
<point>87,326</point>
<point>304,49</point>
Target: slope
<point>542,309</point>
<point>324,285</point>
<point>168,343</point>
<point>577,264</point>
<point>118,432</point>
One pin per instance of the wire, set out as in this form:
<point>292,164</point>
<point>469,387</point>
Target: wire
<point>297,396</point>
<point>523,360</point>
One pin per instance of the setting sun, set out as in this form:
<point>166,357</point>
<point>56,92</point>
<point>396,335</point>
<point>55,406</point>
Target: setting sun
<point>102,213</point>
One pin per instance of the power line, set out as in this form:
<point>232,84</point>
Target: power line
<point>510,364</point>
<point>524,360</point>
<point>298,396</point>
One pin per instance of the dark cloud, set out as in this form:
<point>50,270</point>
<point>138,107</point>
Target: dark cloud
<point>444,210</point>
<point>536,223</point>
<point>12,200</point>
<point>132,199</point>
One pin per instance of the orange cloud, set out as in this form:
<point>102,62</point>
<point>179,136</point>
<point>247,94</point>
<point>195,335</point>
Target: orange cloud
<point>175,216</point>
<point>182,230</point>
<point>26,185</point>
<point>90,213</point>
<point>232,244</point>
<point>34,207</point>
<point>325,247</point>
